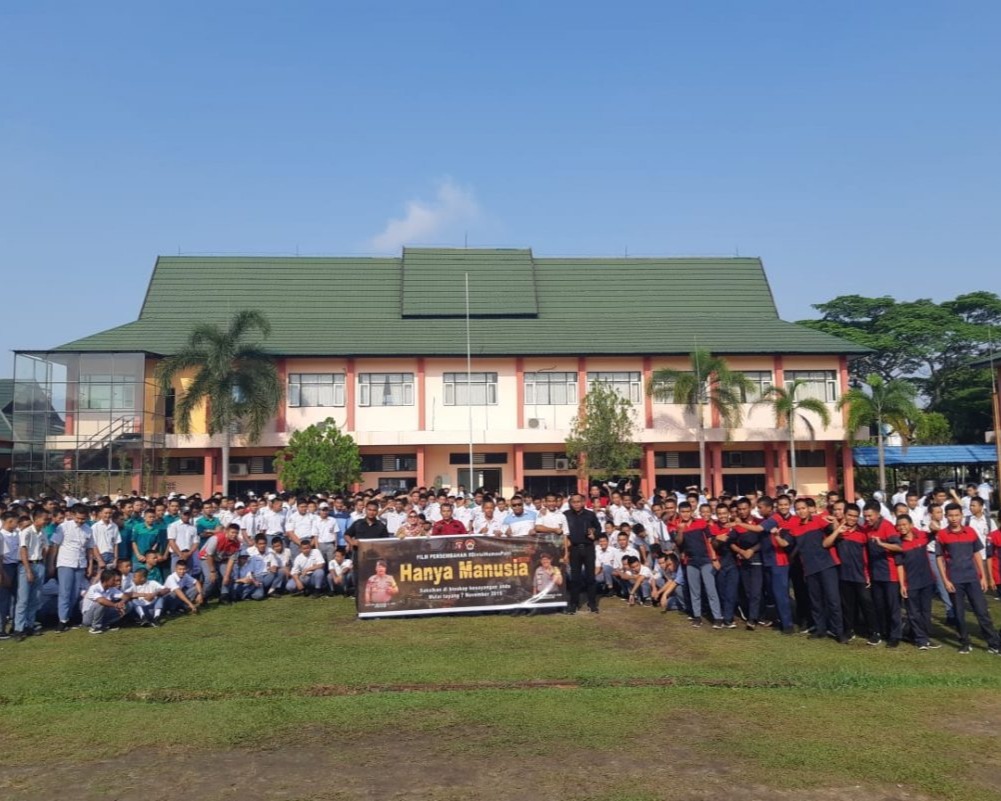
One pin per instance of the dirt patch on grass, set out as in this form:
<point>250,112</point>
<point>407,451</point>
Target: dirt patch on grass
<point>468,762</point>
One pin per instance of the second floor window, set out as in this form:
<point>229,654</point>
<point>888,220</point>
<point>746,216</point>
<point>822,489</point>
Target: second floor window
<point>107,393</point>
<point>315,389</point>
<point>626,384</point>
<point>761,380</point>
<point>550,389</point>
<point>820,384</point>
<point>480,389</point>
<point>386,389</point>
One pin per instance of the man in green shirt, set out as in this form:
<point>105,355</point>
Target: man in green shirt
<point>145,538</point>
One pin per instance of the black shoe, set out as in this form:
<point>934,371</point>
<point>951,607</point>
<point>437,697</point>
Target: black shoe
<point>63,628</point>
<point>892,643</point>
<point>570,610</point>
<point>816,635</point>
<point>5,635</point>
<point>20,636</point>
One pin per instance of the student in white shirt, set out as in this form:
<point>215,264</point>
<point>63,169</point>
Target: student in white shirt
<point>246,582</point>
<point>604,565</point>
<point>33,547</point>
<point>300,525</point>
<point>326,532</point>
<point>184,593</point>
<point>307,570</point>
<point>489,522</point>
<point>341,573</point>
<point>75,549</point>
<point>147,598</point>
<point>551,520</point>
<point>638,577</point>
<point>260,567</point>
<point>107,537</point>
<point>10,558</point>
<point>182,539</point>
<point>103,605</point>
<point>280,564</point>
<point>394,516</point>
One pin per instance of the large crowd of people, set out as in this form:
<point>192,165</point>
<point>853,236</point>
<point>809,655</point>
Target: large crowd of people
<point>825,566</point>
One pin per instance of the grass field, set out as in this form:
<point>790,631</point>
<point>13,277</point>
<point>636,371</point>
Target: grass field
<point>295,699</point>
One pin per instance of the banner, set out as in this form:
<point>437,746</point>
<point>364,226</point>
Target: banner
<point>442,575</point>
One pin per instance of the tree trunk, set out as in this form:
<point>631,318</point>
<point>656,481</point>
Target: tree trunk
<point>882,456</point>
<point>225,462</point>
<point>792,453</point>
<point>702,452</point>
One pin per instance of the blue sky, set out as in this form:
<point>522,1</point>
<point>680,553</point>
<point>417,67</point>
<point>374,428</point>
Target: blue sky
<point>854,149</point>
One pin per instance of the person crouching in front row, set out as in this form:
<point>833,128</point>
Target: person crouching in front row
<point>307,571</point>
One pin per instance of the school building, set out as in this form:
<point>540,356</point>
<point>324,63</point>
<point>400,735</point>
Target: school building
<point>379,344</point>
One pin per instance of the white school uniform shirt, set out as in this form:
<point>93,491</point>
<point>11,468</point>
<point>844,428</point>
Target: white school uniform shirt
<point>433,512</point>
<point>95,591</point>
<point>277,560</point>
<point>273,522</point>
<point>302,562</point>
<point>554,520</point>
<point>464,515</point>
<point>257,562</point>
<point>326,530</point>
<point>248,525</point>
<point>393,520</point>
<point>106,536</point>
<point>983,525</point>
<point>225,517</point>
<point>149,588</point>
<point>304,526</point>
<point>603,558</point>
<point>34,540</point>
<point>184,534</point>
<point>621,554</point>
<point>75,543</point>
<point>338,569</point>
<point>519,525</point>
<point>127,582</point>
<point>175,582</point>
<point>11,546</point>
<point>492,527</point>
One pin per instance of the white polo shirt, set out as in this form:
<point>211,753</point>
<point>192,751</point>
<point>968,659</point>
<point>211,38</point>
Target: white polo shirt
<point>302,562</point>
<point>184,534</point>
<point>339,568</point>
<point>556,520</point>
<point>11,546</point>
<point>175,582</point>
<point>34,540</point>
<point>106,536</point>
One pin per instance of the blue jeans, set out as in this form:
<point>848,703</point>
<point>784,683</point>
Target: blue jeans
<point>727,583</point>
<point>29,596</point>
<point>8,592</point>
<point>940,586</point>
<point>313,581</point>
<point>699,580</point>
<point>72,582</point>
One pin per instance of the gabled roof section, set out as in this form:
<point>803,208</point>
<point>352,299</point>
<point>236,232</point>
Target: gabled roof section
<point>434,283</point>
<point>522,306</point>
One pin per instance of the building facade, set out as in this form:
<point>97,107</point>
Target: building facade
<point>379,345</point>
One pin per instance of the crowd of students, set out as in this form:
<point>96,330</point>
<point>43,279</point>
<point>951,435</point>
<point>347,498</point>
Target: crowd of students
<point>825,567</point>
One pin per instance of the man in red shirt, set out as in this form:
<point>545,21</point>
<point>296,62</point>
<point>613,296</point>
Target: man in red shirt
<point>448,524</point>
<point>883,551</point>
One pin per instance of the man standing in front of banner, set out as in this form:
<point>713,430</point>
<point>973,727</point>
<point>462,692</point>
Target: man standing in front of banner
<point>581,531</point>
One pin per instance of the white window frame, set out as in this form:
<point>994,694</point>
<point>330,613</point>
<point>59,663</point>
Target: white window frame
<point>762,380</point>
<point>366,382</point>
<point>562,379</point>
<point>814,379</point>
<point>296,383</point>
<point>454,382</point>
<point>632,383</point>
<point>122,386</point>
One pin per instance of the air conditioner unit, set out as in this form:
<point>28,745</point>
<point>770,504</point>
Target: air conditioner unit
<point>239,469</point>
<point>562,464</point>
<point>536,422</point>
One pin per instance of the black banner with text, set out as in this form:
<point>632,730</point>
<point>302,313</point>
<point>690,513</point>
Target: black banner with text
<point>442,575</point>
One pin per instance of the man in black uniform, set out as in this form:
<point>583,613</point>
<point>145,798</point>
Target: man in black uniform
<point>369,527</point>
<point>583,527</point>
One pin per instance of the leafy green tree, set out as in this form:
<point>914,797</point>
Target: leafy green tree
<point>789,408</point>
<point>602,436</point>
<point>931,428</point>
<point>710,383</point>
<point>929,344</point>
<point>235,378</point>
<point>879,404</point>
<point>319,458</point>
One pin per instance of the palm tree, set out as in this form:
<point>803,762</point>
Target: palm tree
<point>236,379</point>
<point>886,403</point>
<point>709,382</point>
<point>788,408</point>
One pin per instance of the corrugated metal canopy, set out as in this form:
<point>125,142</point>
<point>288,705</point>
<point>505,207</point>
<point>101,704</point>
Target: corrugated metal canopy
<point>868,456</point>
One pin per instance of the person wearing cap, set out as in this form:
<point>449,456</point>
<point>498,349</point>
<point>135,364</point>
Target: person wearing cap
<point>183,540</point>
<point>326,532</point>
<point>307,570</point>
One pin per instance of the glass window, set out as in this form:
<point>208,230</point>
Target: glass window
<point>389,463</point>
<point>820,384</point>
<point>626,384</point>
<point>550,389</point>
<point>761,380</point>
<point>107,392</point>
<point>386,389</point>
<point>479,390</point>
<point>316,389</point>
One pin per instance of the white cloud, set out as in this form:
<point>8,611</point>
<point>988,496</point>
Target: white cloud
<point>426,221</point>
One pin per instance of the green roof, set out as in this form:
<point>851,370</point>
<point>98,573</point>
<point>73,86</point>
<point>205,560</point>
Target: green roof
<point>990,360</point>
<point>522,305</point>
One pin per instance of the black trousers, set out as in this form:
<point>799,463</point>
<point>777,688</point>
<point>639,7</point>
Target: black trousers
<point>918,606</point>
<point>886,599</point>
<point>582,575</point>
<point>825,601</point>
<point>751,580</point>
<point>856,604</point>
<point>801,611</point>
<point>970,591</point>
